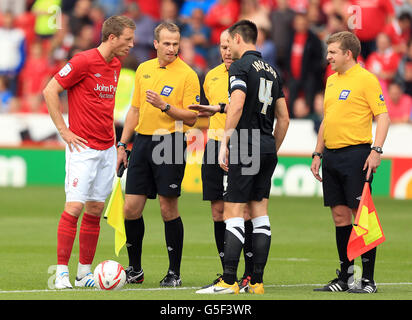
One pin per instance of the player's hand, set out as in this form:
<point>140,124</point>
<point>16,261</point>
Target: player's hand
<point>154,99</point>
<point>204,110</point>
<point>315,168</point>
<point>372,163</point>
<point>223,157</point>
<point>121,158</point>
<point>73,140</point>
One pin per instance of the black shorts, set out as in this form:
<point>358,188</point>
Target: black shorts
<point>343,176</point>
<point>213,176</point>
<point>243,187</point>
<point>156,167</point>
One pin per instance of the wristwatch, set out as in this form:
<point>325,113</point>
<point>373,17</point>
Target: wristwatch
<point>377,149</point>
<point>167,108</point>
<point>121,144</point>
<point>316,154</point>
<point>222,107</point>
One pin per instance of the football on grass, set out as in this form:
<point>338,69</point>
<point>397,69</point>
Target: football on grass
<point>109,275</point>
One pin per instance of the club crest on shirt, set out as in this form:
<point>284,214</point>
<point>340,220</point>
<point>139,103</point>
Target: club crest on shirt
<point>344,94</point>
<point>65,70</point>
<point>166,91</point>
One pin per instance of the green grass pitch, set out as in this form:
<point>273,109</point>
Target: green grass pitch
<point>303,252</point>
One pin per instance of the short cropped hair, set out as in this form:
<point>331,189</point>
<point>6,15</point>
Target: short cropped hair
<point>246,29</point>
<point>115,25</point>
<point>170,26</point>
<point>347,41</point>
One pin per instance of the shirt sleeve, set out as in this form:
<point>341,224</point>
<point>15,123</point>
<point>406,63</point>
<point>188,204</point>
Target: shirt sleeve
<point>192,91</point>
<point>374,96</point>
<point>237,78</point>
<point>136,93</point>
<point>73,72</point>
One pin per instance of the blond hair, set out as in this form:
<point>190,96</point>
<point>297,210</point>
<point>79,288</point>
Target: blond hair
<point>115,25</point>
<point>170,26</point>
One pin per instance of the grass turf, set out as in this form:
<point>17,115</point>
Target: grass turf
<point>303,252</point>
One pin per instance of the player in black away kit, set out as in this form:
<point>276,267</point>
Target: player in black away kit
<point>256,99</point>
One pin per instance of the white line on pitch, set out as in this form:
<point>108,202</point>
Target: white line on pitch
<point>185,288</point>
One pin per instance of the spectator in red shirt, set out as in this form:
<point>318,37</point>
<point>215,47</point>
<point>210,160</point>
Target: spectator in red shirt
<point>305,68</point>
<point>399,104</point>
<point>221,16</point>
<point>373,16</point>
<point>384,61</point>
<point>399,31</point>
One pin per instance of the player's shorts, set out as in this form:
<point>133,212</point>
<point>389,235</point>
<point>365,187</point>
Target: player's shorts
<point>156,165</point>
<point>214,178</point>
<point>343,176</point>
<point>243,187</point>
<point>89,174</point>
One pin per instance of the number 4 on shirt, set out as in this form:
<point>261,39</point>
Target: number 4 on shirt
<point>265,93</point>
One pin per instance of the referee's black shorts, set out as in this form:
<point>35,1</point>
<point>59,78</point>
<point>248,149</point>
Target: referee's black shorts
<point>243,187</point>
<point>343,175</point>
<point>156,165</point>
<point>213,176</point>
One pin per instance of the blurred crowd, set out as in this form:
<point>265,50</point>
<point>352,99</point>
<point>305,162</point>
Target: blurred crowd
<point>37,38</point>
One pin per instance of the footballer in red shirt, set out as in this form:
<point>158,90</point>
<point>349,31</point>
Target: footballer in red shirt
<point>90,79</point>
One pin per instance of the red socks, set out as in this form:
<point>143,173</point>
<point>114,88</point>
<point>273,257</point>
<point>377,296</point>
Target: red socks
<point>88,237</point>
<point>66,232</point>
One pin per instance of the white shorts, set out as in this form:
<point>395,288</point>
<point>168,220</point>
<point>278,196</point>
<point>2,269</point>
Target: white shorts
<point>89,174</point>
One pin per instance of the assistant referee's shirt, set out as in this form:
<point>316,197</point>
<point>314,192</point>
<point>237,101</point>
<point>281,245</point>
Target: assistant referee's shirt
<point>216,91</point>
<point>351,101</point>
<point>177,84</point>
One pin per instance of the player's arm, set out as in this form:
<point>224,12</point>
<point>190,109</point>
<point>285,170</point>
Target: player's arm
<point>316,162</point>
<point>51,96</point>
<point>188,117</point>
<point>234,112</point>
<point>282,122</point>
<point>374,159</point>
<point>131,122</point>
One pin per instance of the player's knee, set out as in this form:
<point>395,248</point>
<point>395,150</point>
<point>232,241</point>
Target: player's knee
<point>217,210</point>
<point>74,208</point>
<point>342,215</point>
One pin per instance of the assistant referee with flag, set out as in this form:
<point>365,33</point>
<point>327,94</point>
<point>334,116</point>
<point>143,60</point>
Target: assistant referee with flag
<point>353,98</point>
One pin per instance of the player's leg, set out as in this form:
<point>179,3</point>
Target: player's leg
<point>219,227</point>
<point>247,250</point>
<point>77,184</point>
<point>102,170</point>
<point>88,238</point>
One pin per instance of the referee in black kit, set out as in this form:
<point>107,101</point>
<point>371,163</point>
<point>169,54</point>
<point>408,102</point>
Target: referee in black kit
<point>256,99</point>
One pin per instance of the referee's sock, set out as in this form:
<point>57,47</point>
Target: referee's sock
<point>134,239</point>
<point>261,245</point>
<point>368,264</point>
<point>234,239</point>
<point>342,239</point>
<point>174,242</point>
<point>220,228</point>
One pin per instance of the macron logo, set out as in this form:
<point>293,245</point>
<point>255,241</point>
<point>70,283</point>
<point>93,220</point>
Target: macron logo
<point>97,75</point>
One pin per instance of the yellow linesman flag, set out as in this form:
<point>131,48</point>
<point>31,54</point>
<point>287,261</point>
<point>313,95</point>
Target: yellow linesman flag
<point>367,231</point>
<point>115,218</point>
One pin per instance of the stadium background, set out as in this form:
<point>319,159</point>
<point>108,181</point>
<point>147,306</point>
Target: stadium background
<point>37,37</point>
